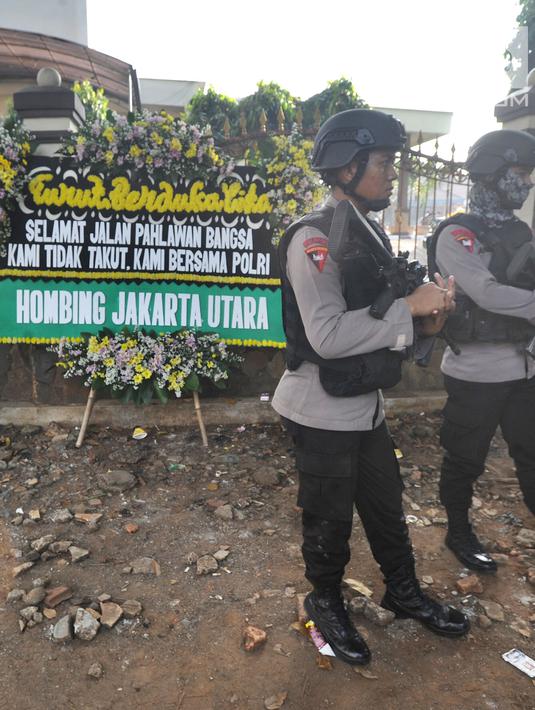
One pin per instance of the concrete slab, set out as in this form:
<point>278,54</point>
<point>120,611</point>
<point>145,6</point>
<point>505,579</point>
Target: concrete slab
<point>245,410</point>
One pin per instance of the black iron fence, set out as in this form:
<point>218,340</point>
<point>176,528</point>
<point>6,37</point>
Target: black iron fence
<point>430,188</point>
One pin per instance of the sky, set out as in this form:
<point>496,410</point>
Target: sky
<point>443,55</point>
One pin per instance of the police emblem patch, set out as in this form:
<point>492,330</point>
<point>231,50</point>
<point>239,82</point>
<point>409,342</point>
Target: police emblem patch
<point>317,249</point>
<point>466,238</point>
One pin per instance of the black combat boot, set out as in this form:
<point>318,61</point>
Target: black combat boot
<point>326,609</point>
<point>404,597</point>
<point>463,542</point>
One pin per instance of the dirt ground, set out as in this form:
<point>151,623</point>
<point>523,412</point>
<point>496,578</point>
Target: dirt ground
<point>185,648</point>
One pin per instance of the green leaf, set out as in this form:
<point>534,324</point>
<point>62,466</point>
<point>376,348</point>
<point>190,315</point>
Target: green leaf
<point>127,395</point>
<point>221,384</point>
<point>193,382</point>
<point>160,393</point>
<point>146,392</point>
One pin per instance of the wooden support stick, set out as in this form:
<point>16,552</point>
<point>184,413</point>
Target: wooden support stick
<point>87,414</point>
<point>198,412</point>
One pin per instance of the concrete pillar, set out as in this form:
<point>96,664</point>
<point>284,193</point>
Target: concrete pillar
<point>517,112</point>
<point>402,221</point>
<point>49,111</point>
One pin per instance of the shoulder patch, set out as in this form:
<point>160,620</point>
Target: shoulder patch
<point>465,237</point>
<point>317,249</point>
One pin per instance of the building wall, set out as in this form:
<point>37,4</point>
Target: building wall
<point>66,19</point>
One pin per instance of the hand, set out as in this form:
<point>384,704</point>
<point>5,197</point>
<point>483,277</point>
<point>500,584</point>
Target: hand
<point>431,325</point>
<point>429,299</point>
<point>449,285</point>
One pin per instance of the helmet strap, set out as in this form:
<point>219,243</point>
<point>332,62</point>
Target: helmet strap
<point>362,163</point>
<point>350,188</point>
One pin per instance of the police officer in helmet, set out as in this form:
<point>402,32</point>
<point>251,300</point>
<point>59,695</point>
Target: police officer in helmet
<point>491,381</point>
<point>329,396</point>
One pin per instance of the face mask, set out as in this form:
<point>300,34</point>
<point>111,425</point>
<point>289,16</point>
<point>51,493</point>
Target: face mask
<point>513,190</point>
<point>495,202</point>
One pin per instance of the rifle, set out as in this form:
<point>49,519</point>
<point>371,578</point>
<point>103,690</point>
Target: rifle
<point>349,232</point>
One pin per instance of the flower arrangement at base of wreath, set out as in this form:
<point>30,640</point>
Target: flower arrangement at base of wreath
<point>136,365</point>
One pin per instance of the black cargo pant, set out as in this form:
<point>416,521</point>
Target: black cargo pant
<point>339,470</point>
<point>471,416</point>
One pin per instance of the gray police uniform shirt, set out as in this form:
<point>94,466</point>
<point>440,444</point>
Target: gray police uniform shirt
<point>333,332</point>
<point>460,253</point>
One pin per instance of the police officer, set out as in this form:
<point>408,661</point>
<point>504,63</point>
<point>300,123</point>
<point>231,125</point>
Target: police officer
<point>329,396</point>
<point>491,381</point>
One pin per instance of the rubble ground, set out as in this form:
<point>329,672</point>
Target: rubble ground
<point>158,573</point>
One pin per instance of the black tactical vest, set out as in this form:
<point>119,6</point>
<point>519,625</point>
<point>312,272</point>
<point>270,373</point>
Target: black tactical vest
<point>348,376</point>
<point>470,322</point>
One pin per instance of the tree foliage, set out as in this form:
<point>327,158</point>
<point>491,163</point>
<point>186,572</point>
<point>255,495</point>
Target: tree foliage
<point>212,108</point>
<point>271,99</point>
<point>527,18</point>
<point>338,96</point>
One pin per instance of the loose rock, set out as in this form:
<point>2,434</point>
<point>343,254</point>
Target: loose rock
<point>89,518</point>
<point>57,595</point>
<point>522,627</point>
<point>483,621</point>
<point>62,629</point>
<point>85,625</point>
<point>525,537</point>
<point>95,670</point>
<point>469,585</point>
<point>224,512</point>
<point>253,638</point>
<point>42,543</point>
<point>28,612</point>
<point>275,702</point>
<point>145,565</point>
<point>372,611</point>
<point>20,569</point>
<point>266,476</point>
<point>493,610</point>
<point>131,608</point>
<point>78,553</point>
<point>116,481</point>
<point>111,613</point>
<point>61,515</point>
<point>15,595</point>
<point>35,596</point>
<point>207,564</point>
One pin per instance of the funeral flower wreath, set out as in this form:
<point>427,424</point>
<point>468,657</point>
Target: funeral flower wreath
<point>137,365</point>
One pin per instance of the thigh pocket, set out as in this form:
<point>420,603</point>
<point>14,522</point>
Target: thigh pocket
<point>458,433</point>
<point>326,485</point>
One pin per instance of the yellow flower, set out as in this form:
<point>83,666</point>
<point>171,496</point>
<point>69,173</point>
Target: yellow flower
<point>289,190</point>
<point>138,379</point>
<point>108,157</point>
<point>108,134</point>
<point>109,362</point>
<point>291,205</point>
<point>134,151</point>
<point>175,144</point>
<point>80,140</point>
<point>191,151</point>
<point>156,138</point>
<point>7,173</point>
